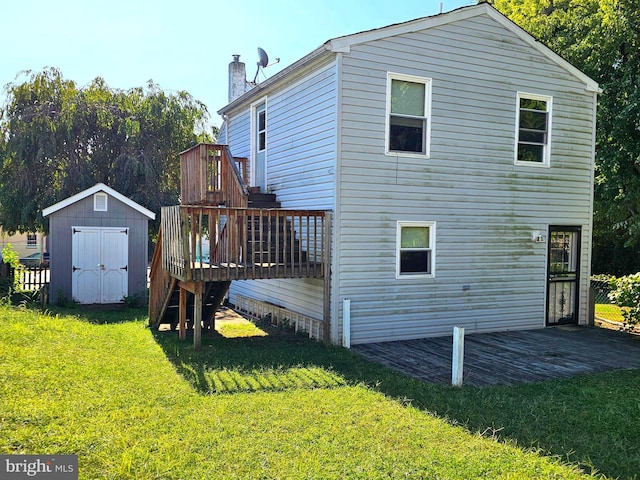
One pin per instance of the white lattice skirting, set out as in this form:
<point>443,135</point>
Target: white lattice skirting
<point>259,309</point>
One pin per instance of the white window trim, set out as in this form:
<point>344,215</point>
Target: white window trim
<point>432,243</point>
<point>546,162</point>
<point>33,244</point>
<point>96,204</point>
<point>427,82</point>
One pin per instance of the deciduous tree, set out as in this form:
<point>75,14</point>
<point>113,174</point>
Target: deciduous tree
<point>600,37</point>
<point>57,139</point>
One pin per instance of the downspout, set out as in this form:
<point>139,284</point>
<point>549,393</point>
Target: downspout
<point>336,318</point>
<point>591,209</point>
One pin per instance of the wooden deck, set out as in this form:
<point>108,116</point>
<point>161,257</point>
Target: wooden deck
<point>508,358</point>
<point>246,243</point>
<point>223,231</point>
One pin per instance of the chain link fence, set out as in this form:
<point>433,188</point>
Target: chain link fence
<point>605,308</point>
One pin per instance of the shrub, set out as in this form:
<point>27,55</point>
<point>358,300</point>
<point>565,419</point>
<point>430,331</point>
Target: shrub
<point>11,258</point>
<point>626,293</point>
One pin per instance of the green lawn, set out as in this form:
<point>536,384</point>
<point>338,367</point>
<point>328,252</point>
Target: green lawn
<point>134,404</point>
<point>608,311</point>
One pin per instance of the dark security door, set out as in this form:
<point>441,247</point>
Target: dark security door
<point>563,275</point>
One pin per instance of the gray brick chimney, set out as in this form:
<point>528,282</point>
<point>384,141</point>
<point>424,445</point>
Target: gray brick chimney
<point>237,78</point>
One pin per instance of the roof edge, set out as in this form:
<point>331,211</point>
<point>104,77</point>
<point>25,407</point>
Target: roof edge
<point>343,45</point>
<point>282,73</point>
<point>98,187</point>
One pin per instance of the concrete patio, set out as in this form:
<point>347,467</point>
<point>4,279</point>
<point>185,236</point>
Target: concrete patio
<point>508,358</point>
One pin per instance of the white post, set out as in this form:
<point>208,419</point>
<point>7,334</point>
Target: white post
<point>458,356</point>
<point>346,323</point>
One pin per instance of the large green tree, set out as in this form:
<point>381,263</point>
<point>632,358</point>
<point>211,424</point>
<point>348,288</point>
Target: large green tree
<point>57,139</point>
<point>601,38</point>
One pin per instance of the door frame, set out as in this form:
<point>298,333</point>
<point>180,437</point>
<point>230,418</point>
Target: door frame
<point>103,264</point>
<point>256,107</point>
<point>573,276</point>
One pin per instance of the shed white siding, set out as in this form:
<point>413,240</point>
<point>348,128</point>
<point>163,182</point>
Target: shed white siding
<point>485,207</point>
<point>301,160</point>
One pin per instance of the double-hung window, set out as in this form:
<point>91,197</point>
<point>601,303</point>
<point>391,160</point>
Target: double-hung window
<point>416,249</point>
<point>409,116</point>
<point>32,240</point>
<point>533,129</point>
<point>262,130</point>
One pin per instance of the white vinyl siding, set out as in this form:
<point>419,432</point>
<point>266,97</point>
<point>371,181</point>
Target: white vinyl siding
<point>301,165</point>
<point>327,146</point>
<point>490,275</point>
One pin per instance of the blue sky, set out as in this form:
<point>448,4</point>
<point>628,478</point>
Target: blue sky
<point>182,44</point>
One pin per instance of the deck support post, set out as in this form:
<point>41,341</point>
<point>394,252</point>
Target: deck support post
<point>457,357</point>
<point>197,316</point>
<point>182,314</point>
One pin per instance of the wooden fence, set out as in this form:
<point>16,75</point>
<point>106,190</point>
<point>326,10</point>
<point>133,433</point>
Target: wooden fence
<point>33,278</point>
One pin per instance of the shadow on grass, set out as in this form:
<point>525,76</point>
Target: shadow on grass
<point>592,420</point>
<point>99,314</point>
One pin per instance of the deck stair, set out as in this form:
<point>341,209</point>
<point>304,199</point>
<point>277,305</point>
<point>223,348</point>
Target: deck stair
<point>263,200</point>
<point>214,293</point>
<point>270,242</point>
<point>250,237</point>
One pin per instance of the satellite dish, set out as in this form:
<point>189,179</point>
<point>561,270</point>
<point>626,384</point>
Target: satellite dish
<point>263,62</point>
<point>263,58</point>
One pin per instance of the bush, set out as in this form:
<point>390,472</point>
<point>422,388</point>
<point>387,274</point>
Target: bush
<point>626,293</point>
<point>11,258</point>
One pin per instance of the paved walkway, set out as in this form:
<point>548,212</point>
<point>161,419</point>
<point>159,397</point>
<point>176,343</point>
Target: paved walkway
<point>507,358</point>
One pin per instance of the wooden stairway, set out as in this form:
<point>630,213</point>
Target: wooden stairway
<point>212,297</point>
<point>251,238</point>
<point>261,248</point>
<point>268,241</point>
<point>263,200</point>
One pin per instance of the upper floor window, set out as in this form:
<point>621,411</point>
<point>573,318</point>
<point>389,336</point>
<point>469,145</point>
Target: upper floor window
<point>409,114</point>
<point>262,130</point>
<point>534,129</point>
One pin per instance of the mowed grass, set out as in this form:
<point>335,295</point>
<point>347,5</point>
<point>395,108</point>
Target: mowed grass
<point>609,311</point>
<point>134,404</point>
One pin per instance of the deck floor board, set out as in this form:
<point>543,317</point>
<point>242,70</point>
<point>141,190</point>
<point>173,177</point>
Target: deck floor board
<point>508,358</point>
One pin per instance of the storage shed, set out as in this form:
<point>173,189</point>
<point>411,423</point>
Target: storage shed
<point>98,245</point>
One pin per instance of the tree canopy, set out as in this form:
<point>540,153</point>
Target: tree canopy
<point>600,37</point>
<point>57,139</point>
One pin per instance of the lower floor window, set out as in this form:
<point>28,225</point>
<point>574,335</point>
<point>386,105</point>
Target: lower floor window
<point>416,245</point>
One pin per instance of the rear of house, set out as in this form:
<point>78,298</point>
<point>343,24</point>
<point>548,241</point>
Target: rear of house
<point>456,153</point>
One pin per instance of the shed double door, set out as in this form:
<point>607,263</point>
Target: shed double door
<point>100,264</point>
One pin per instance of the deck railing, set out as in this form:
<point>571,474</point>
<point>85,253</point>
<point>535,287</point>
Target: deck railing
<point>160,284</point>
<point>244,243</point>
<point>211,175</point>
